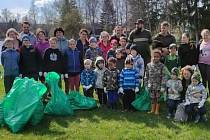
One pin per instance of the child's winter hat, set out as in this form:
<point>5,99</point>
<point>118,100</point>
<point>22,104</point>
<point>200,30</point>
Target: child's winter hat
<point>119,50</point>
<point>134,47</point>
<point>92,40</point>
<point>173,45</point>
<point>99,59</point>
<point>196,76</point>
<point>25,37</point>
<point>175,71</point>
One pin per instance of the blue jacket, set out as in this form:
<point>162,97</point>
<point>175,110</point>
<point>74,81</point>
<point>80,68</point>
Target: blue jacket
<point>62,44</point>
<point>129,78</point>
<point>73,61</point>
<point>10,61</point>
<point>88,77</point>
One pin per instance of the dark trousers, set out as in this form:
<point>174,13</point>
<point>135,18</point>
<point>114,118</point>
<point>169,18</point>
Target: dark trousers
<point>112,98</point>
<point>128,98</point>
<point>89,92</point>
<point>192,110</point>
<point>102,97</point>
<point>8,82</point>
<point>172,105</point>
<point>205,74</point>
<point>66,82</point>
<point>32,75</point>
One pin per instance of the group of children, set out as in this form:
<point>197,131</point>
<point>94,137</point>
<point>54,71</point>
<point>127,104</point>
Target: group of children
<point>118,76</point>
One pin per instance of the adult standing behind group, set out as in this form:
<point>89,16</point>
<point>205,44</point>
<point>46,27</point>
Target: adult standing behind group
<point>12,33</point>
<point>204,57</point>
<point>164,37</point>
<point>142,38</point>
<point>82,42</point>
<point>25,27</point>
<point>117,33</point>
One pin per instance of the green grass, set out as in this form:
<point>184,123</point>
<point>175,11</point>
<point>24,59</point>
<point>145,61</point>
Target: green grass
<point>105,124</point>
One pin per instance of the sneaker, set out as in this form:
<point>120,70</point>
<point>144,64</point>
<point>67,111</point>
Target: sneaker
<point>197,118</point>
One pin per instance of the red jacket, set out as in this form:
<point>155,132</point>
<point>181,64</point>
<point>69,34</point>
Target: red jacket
<point>104,48</point>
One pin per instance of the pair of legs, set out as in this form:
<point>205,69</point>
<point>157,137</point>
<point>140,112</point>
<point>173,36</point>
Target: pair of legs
<point>128,98</point>
<point>72,83</point>
<point>155,95</point>
<point>113,98</point>
<point>89,92</point>
<point>172,106</point>
<point>205,74</point>
<point>102,97</point>
<point>8,82</point>
<point>192,111</point>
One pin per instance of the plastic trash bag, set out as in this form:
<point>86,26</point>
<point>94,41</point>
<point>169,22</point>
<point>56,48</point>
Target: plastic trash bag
<point>79,101</point>
<point>21,102</point>
<point>38,114</point>
<point>59,103</point>
<point>1,114</point>
<point>142,101</point>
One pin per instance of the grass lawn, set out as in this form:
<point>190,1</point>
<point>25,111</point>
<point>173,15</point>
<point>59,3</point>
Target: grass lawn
<point>104,124</point>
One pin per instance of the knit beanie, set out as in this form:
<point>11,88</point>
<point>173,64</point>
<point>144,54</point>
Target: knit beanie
<point>196,76</point>
<point>175,71</point>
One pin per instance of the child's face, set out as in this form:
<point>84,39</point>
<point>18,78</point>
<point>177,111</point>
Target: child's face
<point>9,44</point>
<point>173,50</point>
<point>156,57</point>
<point>114,45</point>
<point>87,65</point>
<point>194,82</point>
<point>186,74</point>
<point>123,42</point>
<point>173,77</point>
<point>118,55</point>
<point>72,44</point>
<point>53,44</point>
<point>26,42</point>
<point>133,52</point>
<point>93,45</point>
<point>185,39</point>
<point>111,65</point>
<point>101,65</point>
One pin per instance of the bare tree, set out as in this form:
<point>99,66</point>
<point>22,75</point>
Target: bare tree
<point>6,15</point>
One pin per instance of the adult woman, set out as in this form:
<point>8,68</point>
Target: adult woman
<point>12,33</point>
<point>204,57</point>
<point>104,43</point>
<point>187,51</point>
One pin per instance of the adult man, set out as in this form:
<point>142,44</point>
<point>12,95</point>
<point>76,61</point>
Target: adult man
<point>142,38</point>
<point>26,31</point>
<point>164,37</point>
<point>62,42</point>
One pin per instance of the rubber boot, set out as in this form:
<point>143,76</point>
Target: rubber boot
<point>157,109</point>
<point>152,109</point>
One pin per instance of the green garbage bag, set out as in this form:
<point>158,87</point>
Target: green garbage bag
<point>79,101</point>
<point>21,102</point>
<point>59,103</point>
<point>142,101</point>
<point>1,114</point>
<point>38,114</point>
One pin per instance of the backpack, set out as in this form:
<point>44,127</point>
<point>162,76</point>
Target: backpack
<point>180,115</point>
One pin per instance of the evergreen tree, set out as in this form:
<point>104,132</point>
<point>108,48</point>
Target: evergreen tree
<point>108,16</point>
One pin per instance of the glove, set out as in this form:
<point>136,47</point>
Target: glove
<point>201,104</point>
<point>45,74</point>
<point>105,91</point>
<point>21,76</point>
<point>40,73</point>
<point>186,103</point>
<point>85,87</point>
<point>136,89</point>
<point>66,75</point>
<point>120,90</point>
<point>88,87</point>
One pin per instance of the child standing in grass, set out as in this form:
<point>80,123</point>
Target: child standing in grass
<point>154,80</point>
<point>129,84</point>
<point>120,59</point>
<point>10,61</point>
<point>74,65</point>
<point>99,71</point>
<point>110,83</point>
<point>174,87</point>
<point>88,78</point>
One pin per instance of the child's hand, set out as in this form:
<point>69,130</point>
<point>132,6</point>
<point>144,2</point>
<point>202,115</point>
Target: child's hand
<point>136,89</point>
<point>105,91</point>
<point>120,90</point>
<point>45,74</point>
<point>88,87</point>
<point>66,75</point>
<point>21,76</point>
<point>40,73</point>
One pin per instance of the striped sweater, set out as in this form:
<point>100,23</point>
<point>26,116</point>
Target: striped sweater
<point>129,78</point>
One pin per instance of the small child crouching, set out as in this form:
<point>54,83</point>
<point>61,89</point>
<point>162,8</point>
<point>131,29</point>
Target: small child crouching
<point>196,96</point>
